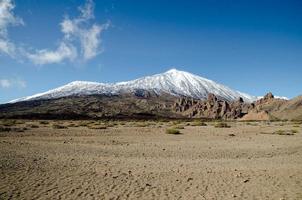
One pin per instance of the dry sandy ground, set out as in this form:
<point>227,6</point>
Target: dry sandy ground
<point>145,163</point>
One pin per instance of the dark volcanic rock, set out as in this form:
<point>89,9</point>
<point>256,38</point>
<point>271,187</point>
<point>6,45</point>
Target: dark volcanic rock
<point>140,104</point>
<point>143,93</point>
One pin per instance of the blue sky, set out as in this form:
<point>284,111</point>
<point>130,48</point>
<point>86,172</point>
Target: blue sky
<point>252,46</point>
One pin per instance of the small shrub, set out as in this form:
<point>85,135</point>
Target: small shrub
<point>173,131</point>
<point>221,125</point>
<point>252,124</point>
<point>97,127</point>
<point>283,132</point>
<point>164,120</point>
<point>286,132</point>
<point>198,123</point>
<point>297,122</point>
<point>19,129</point>
<point>19,122</point>
<point>179,126</point>
<point>141,124</point>
<point>33,126</point>
<point>58,126</point>
<point>73,125</point>
<point>85,123</point>
<point>176,122</point>
<point>110,124</point>
<point>279,132</point>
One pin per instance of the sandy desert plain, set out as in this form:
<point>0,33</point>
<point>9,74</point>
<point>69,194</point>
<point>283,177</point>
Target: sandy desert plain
<point>139,160</point>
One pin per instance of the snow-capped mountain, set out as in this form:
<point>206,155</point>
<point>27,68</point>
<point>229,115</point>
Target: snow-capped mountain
<point>174,82</point>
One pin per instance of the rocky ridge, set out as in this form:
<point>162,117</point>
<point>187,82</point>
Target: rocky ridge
<point>212,108</point>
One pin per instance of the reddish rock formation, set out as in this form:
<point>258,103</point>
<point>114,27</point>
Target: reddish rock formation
<point>213,108</point>
<point>258,116</point>
<point>269,97</point>
<point>266,108</point>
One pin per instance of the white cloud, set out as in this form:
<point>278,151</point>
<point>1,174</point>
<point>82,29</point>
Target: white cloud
<point>7,18</point>
<point>81,38</point>
<point>45,56</point>
<point>91,41</point>
<point>76,31</point>
<point>87,10</point>
<point>89,36</point>
<point>4,83</point>
<point>8,83</point>
<point>7,47</point>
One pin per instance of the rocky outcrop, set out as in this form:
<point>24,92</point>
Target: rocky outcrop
<point>183,104</point>
<point>268,103</point>
<point>213,108</point>
<point>271,108</point>
<point>269,97</point>
<point>256,116</point>
<point>264,108</point>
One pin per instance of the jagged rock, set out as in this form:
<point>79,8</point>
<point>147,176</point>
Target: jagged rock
<point>240,100</point>
<point>213,108</point>
<point>183,104</point>
<point>225,107</point>
<point>212,97</point>
<point>269,97</point>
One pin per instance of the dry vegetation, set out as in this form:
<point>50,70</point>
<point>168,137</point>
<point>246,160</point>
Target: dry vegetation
<point>173,131</point>
<point>222,125</point>
<point>283,132</point>
<point>198,123</point>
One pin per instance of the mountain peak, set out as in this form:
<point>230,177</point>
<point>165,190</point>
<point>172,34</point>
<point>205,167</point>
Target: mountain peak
<point>174,71</point>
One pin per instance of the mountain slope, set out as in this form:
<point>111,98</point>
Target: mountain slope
<point>174,82</point>
<point>93,106</point>
<point>292,109</point>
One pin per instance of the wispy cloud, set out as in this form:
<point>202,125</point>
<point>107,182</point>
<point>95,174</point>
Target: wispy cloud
<point>45,56</point>
<point>7,19</point>
<point>81,37</point>
<point>9,83</point>
<point>87,34</point>
<point>4,83</point>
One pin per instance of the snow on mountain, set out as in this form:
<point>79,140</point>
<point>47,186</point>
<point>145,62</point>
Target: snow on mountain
<point>174,82</point>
